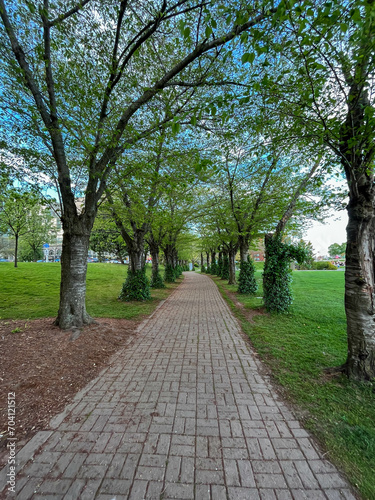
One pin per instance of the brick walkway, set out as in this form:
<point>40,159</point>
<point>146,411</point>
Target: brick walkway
<point>181,413</point>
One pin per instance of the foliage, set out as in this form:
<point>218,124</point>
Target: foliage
<point>324,265</point>
<point>17,208</point>
<point>28,254</point>
<point>203,269</point>
<point>107,241</point>
<point>277,274</point>
<point>208,270</point>
<point>156,280</point>
<point>246,278</point>
<point>214,268</point>
<point>225,268</point>
<point>337,249</point>
<point>308,262</point>
<point>169,274</point>
<point>136,286</point>
<point>178,271</point>
<point>40,231</point>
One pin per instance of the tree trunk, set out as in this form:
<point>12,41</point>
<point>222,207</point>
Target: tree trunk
<point>72,310</point>
<point>16,251</point>
<point>136,257</point>
<point>244,249</point>
<point>208,258</point>
<point>360,285</point>
<point>202,260</point>
<point>154,250</point>
<point>232,266</point>
<point>213,257</point>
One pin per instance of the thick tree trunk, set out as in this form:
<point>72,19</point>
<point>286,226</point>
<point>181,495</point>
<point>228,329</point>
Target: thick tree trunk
<point>202,264</point>
<point>136,257</point>
<point>72,310</point>
<point>232,266</point>
<point>244,249</point>
<point>154,250</point>
<point>213,257</point>
<point>360,287</point>
<point>16,251</point>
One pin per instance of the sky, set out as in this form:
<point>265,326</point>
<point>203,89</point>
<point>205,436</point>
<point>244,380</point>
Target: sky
<point>323,235</point>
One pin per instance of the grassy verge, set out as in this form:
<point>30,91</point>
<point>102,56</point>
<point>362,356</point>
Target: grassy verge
<point>299,347</point>
<point>32,291</point>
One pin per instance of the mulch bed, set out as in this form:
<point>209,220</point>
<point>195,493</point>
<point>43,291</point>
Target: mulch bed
<point>45,367</point>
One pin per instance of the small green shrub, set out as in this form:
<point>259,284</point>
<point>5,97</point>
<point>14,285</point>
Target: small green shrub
<point>208,270</point>
<point>136,286</point>
<point>203,269</point>
<point>156,280</point>
<point>169,274</point>
<point>319,266</point>
<point>213,268</point>
<point>225,268</point>
<point>246,279</point>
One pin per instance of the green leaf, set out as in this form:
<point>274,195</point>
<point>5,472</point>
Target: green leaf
<point>248,57</point>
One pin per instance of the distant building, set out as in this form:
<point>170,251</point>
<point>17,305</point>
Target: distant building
<point>258,254</point>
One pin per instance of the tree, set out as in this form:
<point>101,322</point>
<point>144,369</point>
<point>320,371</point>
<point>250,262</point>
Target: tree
<point>15,214</point>
<point>337,249</point>
<point>68,71</point>
<point>277,274</point>
<point>324,89</point>
<point>40,230</point>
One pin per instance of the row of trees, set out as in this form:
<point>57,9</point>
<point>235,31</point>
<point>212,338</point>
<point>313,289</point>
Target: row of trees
<point>103,98</point>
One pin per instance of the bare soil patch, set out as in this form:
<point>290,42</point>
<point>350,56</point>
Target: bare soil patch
<point>45,367</point>
<point>248,313</point>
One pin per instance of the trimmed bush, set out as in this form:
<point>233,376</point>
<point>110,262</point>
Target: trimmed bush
<point>156,280</point>
<point>320,266</point>
<point>203,269</point>
<point>136,286</point>
<point>214,268</point>
<point>178,271</point>
<point>246,278</point>
<point>169,274</point>
<point>225,268</point>
<point>208,270</point>
<point>277,274</point>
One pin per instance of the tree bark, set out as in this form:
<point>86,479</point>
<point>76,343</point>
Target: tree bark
<point>213,257</point>
<point>232,266</point>
<point>72,310</point>
<point>357,153</point>
<point>16,251</point>
<point>202,264</point>
<point>154,250</point>
<point>360,288</point>
<point>244,248</point>
<point>137,251</point>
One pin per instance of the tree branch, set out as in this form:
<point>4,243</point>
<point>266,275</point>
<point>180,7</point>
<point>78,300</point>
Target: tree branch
<point>70,12</point>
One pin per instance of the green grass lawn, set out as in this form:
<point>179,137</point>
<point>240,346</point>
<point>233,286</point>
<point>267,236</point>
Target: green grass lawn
<point>299,346</point>
<point>32,291</point>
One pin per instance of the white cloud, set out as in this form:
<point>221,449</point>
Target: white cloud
<point>323,235</point>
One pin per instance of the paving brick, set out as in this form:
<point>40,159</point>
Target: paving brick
<point>243,494</point>
<point>182,412</point>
